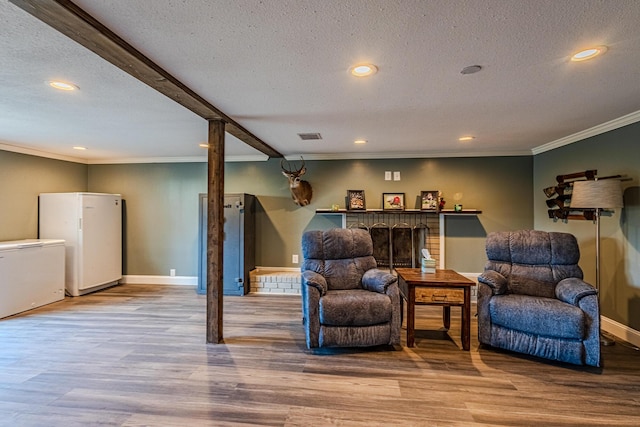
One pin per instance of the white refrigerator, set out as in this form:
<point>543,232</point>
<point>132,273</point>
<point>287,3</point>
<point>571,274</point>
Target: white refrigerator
<point>91,225</point>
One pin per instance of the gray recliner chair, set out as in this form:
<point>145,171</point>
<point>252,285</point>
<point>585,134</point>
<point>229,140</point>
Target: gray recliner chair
<point>346,300</point>
<point>532,299</point>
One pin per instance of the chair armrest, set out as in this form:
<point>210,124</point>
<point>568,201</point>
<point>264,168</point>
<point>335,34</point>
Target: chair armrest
<point>311,278</point>
<point>496,281</point>
<point>377,280</point>
<point>571,290</point>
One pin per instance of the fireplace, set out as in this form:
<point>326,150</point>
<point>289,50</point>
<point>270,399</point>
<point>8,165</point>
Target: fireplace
<point>398,238</point>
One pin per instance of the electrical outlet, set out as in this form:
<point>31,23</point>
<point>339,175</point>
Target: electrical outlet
<point>294,258</point>
<point>172,272</point>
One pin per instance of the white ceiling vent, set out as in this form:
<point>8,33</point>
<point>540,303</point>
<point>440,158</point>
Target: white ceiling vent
<point>309,136</point>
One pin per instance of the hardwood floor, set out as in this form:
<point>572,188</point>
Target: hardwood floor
<point>135,355</point>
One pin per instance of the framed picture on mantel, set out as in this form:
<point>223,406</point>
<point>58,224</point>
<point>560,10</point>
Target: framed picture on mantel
<point>430,200</point>
<point>355,200</point>
<point>393,201</point>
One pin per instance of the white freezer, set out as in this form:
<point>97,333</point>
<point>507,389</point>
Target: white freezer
<point>31,274</point>
<point>91,225</point>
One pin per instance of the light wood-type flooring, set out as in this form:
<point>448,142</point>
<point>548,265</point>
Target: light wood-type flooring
<point>135,355</point>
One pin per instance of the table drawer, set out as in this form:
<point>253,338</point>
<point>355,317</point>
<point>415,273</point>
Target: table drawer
<point>439,295</point>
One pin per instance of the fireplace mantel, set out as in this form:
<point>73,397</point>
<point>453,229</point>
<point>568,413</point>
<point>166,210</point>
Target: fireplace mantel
<point>405,211</point>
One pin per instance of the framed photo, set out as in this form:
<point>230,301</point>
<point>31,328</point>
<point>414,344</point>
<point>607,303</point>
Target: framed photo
<point>355,200</point>
<point>430,200</point>
<point>393,201</point>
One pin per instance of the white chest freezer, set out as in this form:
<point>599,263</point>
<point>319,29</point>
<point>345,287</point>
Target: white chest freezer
<point>31,274</point>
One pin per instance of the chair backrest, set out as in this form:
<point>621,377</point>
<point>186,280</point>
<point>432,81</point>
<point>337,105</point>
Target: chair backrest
<point>533,261</point>
<point>341,255</point>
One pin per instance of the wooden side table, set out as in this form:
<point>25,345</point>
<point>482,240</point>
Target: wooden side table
<point>444,288</point>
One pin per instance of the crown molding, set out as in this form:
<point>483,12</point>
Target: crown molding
<point>263,157</point>
<point>247,158</point>
<point>184,159</point>
<point>129,160</point>
<point>410,155</point>
<point>587,133</point>
<point>38,153</point>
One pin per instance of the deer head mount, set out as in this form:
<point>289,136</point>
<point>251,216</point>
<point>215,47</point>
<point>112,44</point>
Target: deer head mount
<point>301,190</point>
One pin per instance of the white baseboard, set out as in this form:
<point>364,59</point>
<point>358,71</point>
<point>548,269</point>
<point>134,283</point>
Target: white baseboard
<point>620,331</point>
<point>471,276</point>
<point>474,290</point>
<point>160,280</point>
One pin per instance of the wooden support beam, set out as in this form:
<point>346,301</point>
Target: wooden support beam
<point>75,23</point>
<point>215,231</point>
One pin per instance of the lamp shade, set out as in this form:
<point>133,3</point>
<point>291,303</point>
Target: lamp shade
<point>599,194</point>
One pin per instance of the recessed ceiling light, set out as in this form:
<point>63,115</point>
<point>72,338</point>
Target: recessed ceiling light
<point>57,84</point>
<point>363,70</point>
<point>586,54</point>
<point>77,147</point>
<point>360,141</point>
<point>466,138</point>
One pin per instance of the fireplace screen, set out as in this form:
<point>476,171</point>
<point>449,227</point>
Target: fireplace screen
<point>381,237</point>
<point>397,243</point>
<point>402,246</point>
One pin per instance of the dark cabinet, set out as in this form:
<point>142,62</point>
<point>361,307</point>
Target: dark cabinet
<point>239,244</point>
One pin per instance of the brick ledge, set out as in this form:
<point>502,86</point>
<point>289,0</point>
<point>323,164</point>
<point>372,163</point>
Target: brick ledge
<point>275,281</point>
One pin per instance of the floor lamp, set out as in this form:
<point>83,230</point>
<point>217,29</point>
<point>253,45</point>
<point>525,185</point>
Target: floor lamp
<point>597,195</point>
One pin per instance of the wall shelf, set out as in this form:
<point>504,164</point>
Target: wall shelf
<point>405,211</point>
<point>462,212</point>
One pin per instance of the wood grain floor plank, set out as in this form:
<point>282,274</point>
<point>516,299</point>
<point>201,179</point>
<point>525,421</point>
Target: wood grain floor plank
<point>135,355</point>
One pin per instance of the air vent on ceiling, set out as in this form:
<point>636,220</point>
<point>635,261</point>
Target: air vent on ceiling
<point>309,136</point>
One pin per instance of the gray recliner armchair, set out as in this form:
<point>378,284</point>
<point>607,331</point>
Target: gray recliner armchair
<point>532,299</point>
<point>346,300</point>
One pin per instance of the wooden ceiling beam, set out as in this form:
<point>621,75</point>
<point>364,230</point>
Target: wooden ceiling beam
<point>75,23</point>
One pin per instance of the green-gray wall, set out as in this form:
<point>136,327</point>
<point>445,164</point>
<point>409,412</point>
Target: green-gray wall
<point>611,153</point>
<point>161,213</point>
<point>22,178</point>
<point>162,204</point>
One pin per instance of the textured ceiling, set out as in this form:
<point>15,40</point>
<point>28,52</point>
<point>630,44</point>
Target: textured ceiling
<point>280,68</point>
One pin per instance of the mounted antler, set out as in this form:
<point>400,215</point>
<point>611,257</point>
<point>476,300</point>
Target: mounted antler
<point>301,190</point>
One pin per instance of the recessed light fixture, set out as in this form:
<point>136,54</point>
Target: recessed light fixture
<point>466,138</point>
<point>360,141</point>
<point>77,147</point>
<point>363,70</point>
<point>589,53</point>
<point>60,85</point>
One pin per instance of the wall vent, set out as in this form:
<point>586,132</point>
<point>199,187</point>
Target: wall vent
<point>309,136</point>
